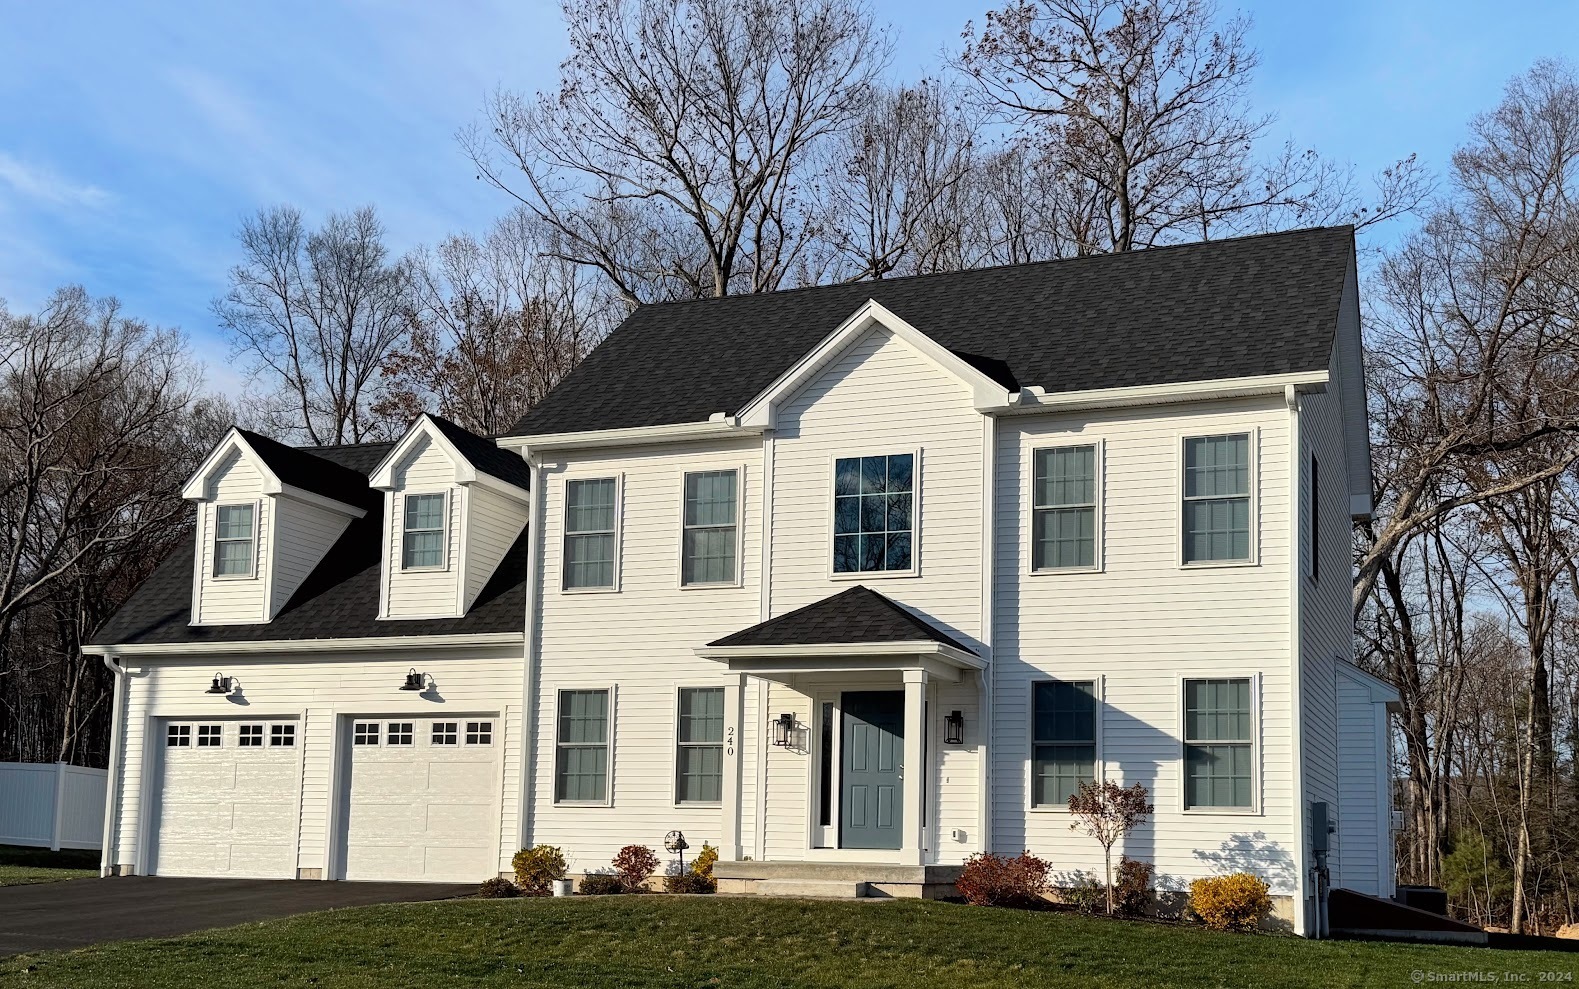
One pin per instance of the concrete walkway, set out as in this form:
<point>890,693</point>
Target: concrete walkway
<point>80,912</point>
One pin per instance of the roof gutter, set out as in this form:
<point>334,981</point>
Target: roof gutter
<point>844,649</point>
<point>134,650</point>
<point>1036,399</point>
<point>718,425</point>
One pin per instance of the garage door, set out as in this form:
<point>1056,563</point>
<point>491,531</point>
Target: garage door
<point>421,800</point>
<point>227,800</point>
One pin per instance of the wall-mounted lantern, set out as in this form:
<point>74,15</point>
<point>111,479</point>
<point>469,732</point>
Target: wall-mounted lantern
<point>954,728</point>
<point>415,681</point>
<point>784,730</point>
<point>221,685</point>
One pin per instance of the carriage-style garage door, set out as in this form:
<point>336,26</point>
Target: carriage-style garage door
<point>227,799</point>
<point>420,799</point>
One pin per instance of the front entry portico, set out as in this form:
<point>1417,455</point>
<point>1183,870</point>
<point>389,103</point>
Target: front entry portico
<point>846,753</point>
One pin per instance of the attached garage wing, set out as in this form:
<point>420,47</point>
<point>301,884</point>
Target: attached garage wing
<point>228,799</point>
<point>419,799</point>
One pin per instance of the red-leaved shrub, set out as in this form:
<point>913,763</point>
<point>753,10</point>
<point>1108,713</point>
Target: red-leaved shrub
<point>634,865</point>
<point>999,881</point>
<point>1132,891</point>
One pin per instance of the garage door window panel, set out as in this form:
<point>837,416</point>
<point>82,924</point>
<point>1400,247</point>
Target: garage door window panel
<point>479,733</point>
<point>365,733</point>
<point>178,736</point>
<point>282,736</point>
<point>210,736</point>
<point>399,733</point>
<point>446,733</point>
<point>249,736</point>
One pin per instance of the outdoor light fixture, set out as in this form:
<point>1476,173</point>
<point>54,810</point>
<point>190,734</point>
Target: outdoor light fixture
<point>415,681</point>
<point>954,728</point>
<point>783,730</point>
<point>221,685</point>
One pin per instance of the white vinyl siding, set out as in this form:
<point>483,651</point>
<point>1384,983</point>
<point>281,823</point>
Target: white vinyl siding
<point>1219,744</point>
<point>1142,621</point>
<point>581,758</point>
<point>494,522</point>
<point>423,532</point>
<point>699,745</point>
<point>591,511</point>
<point>1064,508</point>
<point>874,513</point>
<point>710,534</point>
<point>1064,723</point>
<point>294,705</point>
<point>1217,502</point>
<point>235,541</point>
<point>423,591</point>
<point>304,534</point>
<point>226,600</point>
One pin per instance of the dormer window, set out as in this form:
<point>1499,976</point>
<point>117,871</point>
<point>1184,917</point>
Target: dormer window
<point>235,541</point>
<point>422,539</point>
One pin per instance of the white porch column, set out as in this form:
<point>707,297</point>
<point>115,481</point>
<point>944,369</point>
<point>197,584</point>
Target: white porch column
<point>914,824</point>
<point>734,693</point>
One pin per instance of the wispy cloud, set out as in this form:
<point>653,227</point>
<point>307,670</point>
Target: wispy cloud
<point>41,185</point>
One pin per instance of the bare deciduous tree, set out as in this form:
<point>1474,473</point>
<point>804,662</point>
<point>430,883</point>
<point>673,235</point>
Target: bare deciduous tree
<point>675,155</point>
<point>1141,106</point>
<point>314,313</point>
<point>499,322</point>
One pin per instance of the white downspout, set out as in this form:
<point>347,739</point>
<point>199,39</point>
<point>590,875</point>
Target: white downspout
<point>112,789</point>
<point>529,659</point>
<point>1296,688</point>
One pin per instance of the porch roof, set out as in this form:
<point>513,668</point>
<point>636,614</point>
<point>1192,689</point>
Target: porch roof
<point>856,629</point>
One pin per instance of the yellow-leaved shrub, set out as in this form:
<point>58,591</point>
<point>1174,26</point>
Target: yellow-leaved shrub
<point>1230,903</point>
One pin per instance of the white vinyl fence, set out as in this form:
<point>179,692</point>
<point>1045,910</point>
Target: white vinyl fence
<point>51,805</point>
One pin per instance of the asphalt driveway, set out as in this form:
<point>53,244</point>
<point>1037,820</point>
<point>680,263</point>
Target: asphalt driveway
<point>80,912</point>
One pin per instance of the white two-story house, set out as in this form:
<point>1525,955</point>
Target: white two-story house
<point>851,582</point>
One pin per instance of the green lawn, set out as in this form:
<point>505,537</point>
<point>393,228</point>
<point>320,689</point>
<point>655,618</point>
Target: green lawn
<point>40,865</point>
<point>728,941</point>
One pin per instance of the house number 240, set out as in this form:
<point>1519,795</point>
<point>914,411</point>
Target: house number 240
<point>729,740</point>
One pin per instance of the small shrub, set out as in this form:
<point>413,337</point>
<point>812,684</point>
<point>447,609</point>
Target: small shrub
<point>497,888</point>
<point>600,884</point>
<point>634,865</point>
<point>999,881</point>
<point>1088,894</point>
<point>690,882</point>
<point>703,864</point>
<point>1230,903</point>
<point>537,867</point>
<point>1132,893</point>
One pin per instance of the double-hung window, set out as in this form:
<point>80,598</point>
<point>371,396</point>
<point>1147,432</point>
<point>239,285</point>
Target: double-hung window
<point>699,758</point>
<point>1064,508</point>
<point>422,535</point>
<point>1217,499</point>
<point>710,529</point>
<point>590,533</point>
<point>1219,746</point>
<point>581,763</point>
<point>233,540</point>
<point>874,513</point>
<point>1064,740</point>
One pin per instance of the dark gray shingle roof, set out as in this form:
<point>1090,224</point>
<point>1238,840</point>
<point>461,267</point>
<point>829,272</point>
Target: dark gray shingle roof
<point>857,615</point>
<point>338,600</point>
<point>311,472</point>
<point>1222,309</point>
<point>484,454</point>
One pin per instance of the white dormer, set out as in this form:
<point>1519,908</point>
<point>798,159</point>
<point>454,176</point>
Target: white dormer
<point>449,518</point>
<point>259,534</point>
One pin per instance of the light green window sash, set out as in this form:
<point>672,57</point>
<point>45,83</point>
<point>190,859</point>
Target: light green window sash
<point>1219,746</point>
<point>1064,508</point>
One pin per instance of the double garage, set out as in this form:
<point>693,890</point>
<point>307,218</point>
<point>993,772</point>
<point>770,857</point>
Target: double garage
<point>410,798</point>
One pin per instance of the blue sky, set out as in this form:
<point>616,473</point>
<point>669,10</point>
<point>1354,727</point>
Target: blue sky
<point>135,136</point>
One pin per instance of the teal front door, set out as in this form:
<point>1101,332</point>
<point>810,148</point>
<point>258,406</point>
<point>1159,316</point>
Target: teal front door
<point>873,744</point>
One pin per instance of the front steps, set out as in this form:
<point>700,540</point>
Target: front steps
<point>842,880</point>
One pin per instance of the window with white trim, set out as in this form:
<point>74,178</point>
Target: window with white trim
<point>710,533</point>
<point>178,736</point>
<point>699,740</point>
<point>1219,744</point>
<point>479,733</point>
<point>234,526</point>
<point>1063,739</point>
<point>446,733</point>
<point>282,736</point>
<point>1217,498</point>
<point>398,733</point>
<point>249,736</point>
<point>423,529</point>
<point>1064,508</point>
<point>874,513</point>
<point>589,533</point>
<point>210,736</point>
<point>365,733</point>
<point>581,762</point>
